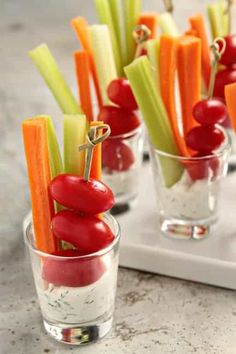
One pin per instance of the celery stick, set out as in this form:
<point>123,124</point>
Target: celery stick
<point>48,68</point>
<point>224,17</point>
<point>132,10</point>
<point>215,16</point>
<point>153,52</point>
<point>106,18</point>
<point>104,59</point>
<point>56,165</point>
<point>168,25</point>
<point>75,130</point>
<point>155,116</point>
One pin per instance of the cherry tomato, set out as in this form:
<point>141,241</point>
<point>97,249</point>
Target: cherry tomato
<point>204,139</point>
<point>117,155</point>
<point>87,233</point>
<point>72,271</point>
<point>89,197</point>
<point>121,120</point>
<point>200,168</point>
<point>210,112</point>
<point>229,56</point>
<point>223,77</point>
<point>120,93</point>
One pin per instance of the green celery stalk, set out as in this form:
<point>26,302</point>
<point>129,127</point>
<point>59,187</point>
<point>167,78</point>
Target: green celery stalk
<point>168,25</point>
<point>132,10</point>
<point>104,59</point>
<point>139,73</point>
<point>224,17</point>
<point>215,16</point>
<point>75,130</point>
<point>47,66</point>
<point>153,52</point>
<point>106,17</point>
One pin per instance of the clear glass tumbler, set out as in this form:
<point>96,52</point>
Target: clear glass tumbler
<point>78,309</point>
<point>122,157</point>
<point>187,191</point>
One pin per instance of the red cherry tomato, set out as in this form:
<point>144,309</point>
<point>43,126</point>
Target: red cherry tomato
<point>121,120</point>
<point>200,168</point>
<point>204,139</point>
<point>229,56</point>
<point>87,233</point>
<point>117,155</point>
<point>72,272</point>
<point>210,112</point>
<point>223,77</point>
<point>89,197</point>
<point>120,93</point>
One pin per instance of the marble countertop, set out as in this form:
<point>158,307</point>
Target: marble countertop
<point>154,314</point>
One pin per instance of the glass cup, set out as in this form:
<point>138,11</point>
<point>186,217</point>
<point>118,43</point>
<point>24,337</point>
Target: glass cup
<point>76,294</point>
<point>187,191</point>
<point>121,159</point>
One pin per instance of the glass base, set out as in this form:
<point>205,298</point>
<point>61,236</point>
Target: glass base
<point>77,334</point>
<point>186,230</point>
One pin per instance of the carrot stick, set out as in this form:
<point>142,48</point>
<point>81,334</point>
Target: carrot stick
<point>80,26</point>
<point>149,19</point>
<point>189,75</point>
<point>198,25</point>
<point>37,158</point>
<point>96,166</point>
<point>230,97</point>
<point>168,67</point>
<point>81,60</point>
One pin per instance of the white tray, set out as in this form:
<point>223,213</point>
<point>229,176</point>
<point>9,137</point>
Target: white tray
<point>211,261</point>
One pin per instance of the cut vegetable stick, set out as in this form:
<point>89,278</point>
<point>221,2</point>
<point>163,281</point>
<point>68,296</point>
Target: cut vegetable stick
<point>37,158</point>
<point>75,130</point>
<point>117,18</point>
<point>153,53</point>
<point>149,19</point>
<point>189,75</point>
<point>168,25</point>
<point>230,97</point>
<point>96,166</point>
<point>198,25</point>
<point>47,66</point>
<point>132,10</point>
<point>105,17</point>
<point>80,26</point>
<point>168,68</point>
<point>217,19</point>
<point>81,60</point>
<point>104,59</point>
<point>155,116</point>
<point>56,166</point>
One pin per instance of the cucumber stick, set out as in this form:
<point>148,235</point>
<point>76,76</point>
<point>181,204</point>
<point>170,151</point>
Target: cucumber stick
<point>153,52</point>
<point>104,59</point>
<point>168,25</point>
<point>47,66</point>
<point>139,73</point>
<point>132,11</point>
<point>75,130</point>
<point>218,20</point>
<point>109,15</point>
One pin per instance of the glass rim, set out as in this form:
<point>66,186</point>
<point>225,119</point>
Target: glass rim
<point>102,252</point>
<point>226,146</point>
<point>127,135</point>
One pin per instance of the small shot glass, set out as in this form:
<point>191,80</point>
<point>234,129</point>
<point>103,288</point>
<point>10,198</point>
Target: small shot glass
<point>78,310</point>
<point>188,201</point>
<point>122,157</point>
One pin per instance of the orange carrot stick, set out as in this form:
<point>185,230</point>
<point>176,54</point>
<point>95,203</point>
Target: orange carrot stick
<point>80,26</point>
<point>230,97</point>
<point>81,60</point>
<point>96,166</point>
<point>168,67</point>
<point>198,25</point>
<point>37,158</point>
<point>149,19</point>
<point>189,75</point>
